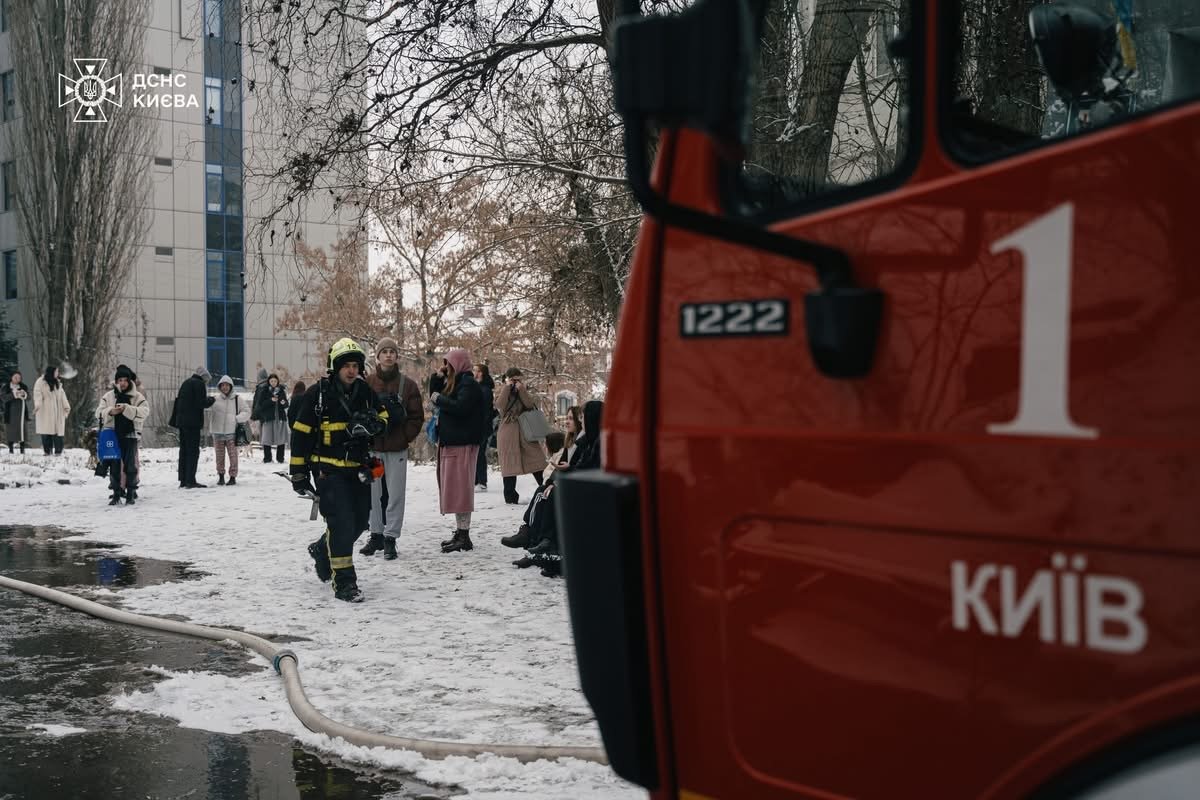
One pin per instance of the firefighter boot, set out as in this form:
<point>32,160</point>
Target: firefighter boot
<point>345,586</point>
<point>373,545</point>
<point>518,539</point>
<point>389,548</point>
<point>320,559</point>
<point>460,541</point>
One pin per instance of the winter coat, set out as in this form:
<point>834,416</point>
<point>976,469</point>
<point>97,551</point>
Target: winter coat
<point>137,410</point>
<point>488,385</point>
<point>517,456</point>
<point>17,410</point>
<point>190,403</point>
<point>293,409</point>
<point>50,407</point>
<point>405,416</point>
<point>227,411</point>
<point>460,415</point>
<point>587,452</point>
<point>259,387</point>
<point>268,411</point>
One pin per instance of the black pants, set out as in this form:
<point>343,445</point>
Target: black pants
<point>267,453</point>
<point>189,454</point>
<point>481,462</point>
<point>127,464</point>
<point>510,483</point>
<point>10,446</point>
<point>346,506</point>
<point>51,443</point>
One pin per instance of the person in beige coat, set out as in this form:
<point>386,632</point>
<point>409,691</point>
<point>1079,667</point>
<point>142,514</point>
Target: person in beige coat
<point>517,456</point>
<point>50,410</point>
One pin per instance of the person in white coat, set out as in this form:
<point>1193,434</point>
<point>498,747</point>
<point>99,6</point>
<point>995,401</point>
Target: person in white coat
<point>224,415</point>
<point>124,409</point>
<point>50,410</point>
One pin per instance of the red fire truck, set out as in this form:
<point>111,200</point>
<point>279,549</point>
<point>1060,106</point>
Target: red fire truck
<point>901,486</point>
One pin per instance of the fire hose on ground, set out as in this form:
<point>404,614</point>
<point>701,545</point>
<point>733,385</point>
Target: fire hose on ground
<point>287,666</point>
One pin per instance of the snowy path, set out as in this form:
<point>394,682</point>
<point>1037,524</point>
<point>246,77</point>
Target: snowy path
<point>461,646</point>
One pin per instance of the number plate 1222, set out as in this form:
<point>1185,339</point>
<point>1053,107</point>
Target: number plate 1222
<point>735,318</point>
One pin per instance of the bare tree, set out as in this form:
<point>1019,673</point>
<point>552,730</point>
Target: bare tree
<point>81,185</point>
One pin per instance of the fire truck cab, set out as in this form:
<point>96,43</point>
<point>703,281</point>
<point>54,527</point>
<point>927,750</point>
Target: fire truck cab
<point>901,479</point>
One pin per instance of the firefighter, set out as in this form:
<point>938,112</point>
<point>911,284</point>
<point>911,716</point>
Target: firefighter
<point>331,441</point>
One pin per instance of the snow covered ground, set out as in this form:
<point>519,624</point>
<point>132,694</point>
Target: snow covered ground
<point>461,646</point>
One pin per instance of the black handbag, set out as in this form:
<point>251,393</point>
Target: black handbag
<point>241,436</point>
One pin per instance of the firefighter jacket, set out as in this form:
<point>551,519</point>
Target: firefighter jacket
<point>321,434</point>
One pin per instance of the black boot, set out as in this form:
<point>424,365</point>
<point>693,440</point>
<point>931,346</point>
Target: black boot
<point>389,548</point>
<point>543,548</point>
<point>279,454</point>
<point>130,496</point>
<point>349,593</point>
<point>320,559</point>
<point>511,497</point>
<point>220,479</point>
<point>373,545</point>
<point>461,541</point>
<point>232,481</point>
<point>266,454</point>
<point>518,539</point>
<point>116,498</point>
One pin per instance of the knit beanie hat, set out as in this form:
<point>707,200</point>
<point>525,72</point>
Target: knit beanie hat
<point>386,343</point>
<point>124,372</point>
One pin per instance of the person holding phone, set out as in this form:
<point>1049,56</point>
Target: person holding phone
<point>125,409</point>
<point>517,456</point>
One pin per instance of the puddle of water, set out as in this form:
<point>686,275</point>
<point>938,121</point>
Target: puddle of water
<point>60,667</point>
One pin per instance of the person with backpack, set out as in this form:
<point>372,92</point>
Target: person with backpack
<point>224,416</point>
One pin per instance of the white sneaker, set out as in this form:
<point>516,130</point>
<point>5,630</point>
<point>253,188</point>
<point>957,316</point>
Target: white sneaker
<point>481,487</point>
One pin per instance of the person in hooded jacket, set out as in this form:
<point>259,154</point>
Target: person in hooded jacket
<point>18,409</point>
<point>190,403</point>
<point>224,415</point>
<point>50,408</point>
<point>460,419</point>
<point>298,389</point>
<point>124,409</point>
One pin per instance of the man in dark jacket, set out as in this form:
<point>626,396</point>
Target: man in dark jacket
<point>331,441</point>
<point>483,376</point>
<point>189,415</point>
<point>402,398</point>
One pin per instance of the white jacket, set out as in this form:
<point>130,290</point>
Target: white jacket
<point>227,411</point>
<point>51,408</point>
<point>137,410</point>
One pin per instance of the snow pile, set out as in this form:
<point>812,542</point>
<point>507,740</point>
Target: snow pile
<point>459,646</point>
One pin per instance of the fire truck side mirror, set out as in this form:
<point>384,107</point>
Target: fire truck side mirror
<point>1076,46</point>
<point>695,69</point>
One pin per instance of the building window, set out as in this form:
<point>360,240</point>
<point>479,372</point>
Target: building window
<point>8,96</point>
<point>563,402</point>
<point>215,277</point>
<point>164,251</point>
<point>164,341</point>
<point>8,176</point>
<point>162,70</point>
<point>212,100</point>
<point>159,161</point>
<point>10,274</point>
<point>212,17</point>
<point>212,187</point>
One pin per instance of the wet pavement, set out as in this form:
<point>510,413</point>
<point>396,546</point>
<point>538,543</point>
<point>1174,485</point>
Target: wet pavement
<point>59,669</point>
